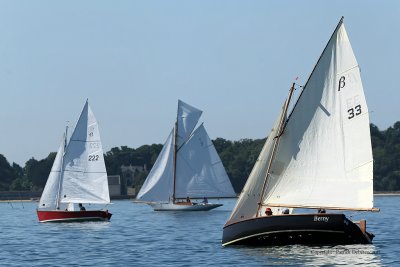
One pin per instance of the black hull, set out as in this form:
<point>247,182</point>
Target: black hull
<point>308,229</point>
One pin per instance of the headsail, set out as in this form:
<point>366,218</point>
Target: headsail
<point>50,194</point>
<point>326,145</point>
<point>84,172</point>
<point>247,205</point>
<point>158,184</point>
<point>200,172</point>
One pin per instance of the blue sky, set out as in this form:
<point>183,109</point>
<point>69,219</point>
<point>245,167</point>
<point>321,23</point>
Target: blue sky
<point>235,60</point>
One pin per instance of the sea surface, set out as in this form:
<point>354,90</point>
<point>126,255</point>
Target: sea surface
<point>138,236</point>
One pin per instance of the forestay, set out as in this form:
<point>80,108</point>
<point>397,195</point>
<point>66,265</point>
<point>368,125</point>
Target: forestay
<point>326,149</point>
<point>84,178</point>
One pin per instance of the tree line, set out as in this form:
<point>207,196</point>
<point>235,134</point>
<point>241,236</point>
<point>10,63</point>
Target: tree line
<point>238,158</point>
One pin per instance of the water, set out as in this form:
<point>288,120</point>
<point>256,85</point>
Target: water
<point>138,236</point>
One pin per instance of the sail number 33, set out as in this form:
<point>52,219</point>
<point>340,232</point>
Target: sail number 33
<point>352,112</point>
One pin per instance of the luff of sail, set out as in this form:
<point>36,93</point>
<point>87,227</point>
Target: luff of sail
<point>158,184</point>
<point>247,205</point>
<point>50,195</point>
<point>84,178</point>
<point>200,172</point>
<point>326,147</point>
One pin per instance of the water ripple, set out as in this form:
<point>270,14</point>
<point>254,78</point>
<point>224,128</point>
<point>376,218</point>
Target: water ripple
<point>138,236</point>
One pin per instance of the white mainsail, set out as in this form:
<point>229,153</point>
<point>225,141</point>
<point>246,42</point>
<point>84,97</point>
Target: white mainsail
<point>84,178</point>
<point>324,158</point>
<point>199,171</point>
<point>50,195</point>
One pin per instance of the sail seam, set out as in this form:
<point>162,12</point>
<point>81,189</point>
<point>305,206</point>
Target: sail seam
<point>340,73</point>
<point>84,141</point>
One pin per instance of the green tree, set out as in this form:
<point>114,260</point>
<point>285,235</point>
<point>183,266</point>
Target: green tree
<point>7,173</point>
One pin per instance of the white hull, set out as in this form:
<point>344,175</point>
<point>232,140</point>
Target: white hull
<point>181,207</point>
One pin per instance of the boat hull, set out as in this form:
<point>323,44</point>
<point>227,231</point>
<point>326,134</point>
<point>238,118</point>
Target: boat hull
<point>312,229</point>
<point>183,207</point>
<point>73,216</point>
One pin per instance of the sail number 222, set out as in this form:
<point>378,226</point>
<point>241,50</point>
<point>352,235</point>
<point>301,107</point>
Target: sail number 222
<point>93,157</point>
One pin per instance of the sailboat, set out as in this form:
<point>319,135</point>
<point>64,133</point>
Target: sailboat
<point>188,167</point>
<point>318,156</point>
<point>78,176</point>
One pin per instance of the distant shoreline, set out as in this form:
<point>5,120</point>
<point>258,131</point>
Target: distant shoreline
<point>36,199</point>
<point>387,193</point>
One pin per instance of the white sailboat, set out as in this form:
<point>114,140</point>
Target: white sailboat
<point>317,157</point>
<point>78,176</point>
<point>188,167</point>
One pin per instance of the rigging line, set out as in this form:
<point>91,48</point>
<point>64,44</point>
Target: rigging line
<point>83,171</point>
<point>188,139</point>
<point>275,147</point>
<point>315,66</point>
<point>187,163</point>
<point>85,141</point>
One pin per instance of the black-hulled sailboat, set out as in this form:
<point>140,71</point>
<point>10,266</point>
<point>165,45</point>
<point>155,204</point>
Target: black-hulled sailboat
<point>317,157</point>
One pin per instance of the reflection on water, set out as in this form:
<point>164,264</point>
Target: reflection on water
<point>348,255</point>
<point>81,226</point>
<point>138,236</point>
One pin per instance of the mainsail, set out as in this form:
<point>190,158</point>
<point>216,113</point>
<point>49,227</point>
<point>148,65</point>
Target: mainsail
<point>198,169</point>
<point>84,178</point>
<point>200,172</point>
<point>325,146</point>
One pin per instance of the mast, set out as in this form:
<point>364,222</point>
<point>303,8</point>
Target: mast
<point>175,151</point>
<point>61,170</point>
<point>280,132</point>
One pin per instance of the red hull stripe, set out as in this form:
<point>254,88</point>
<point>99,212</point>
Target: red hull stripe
<point>68,216</point>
